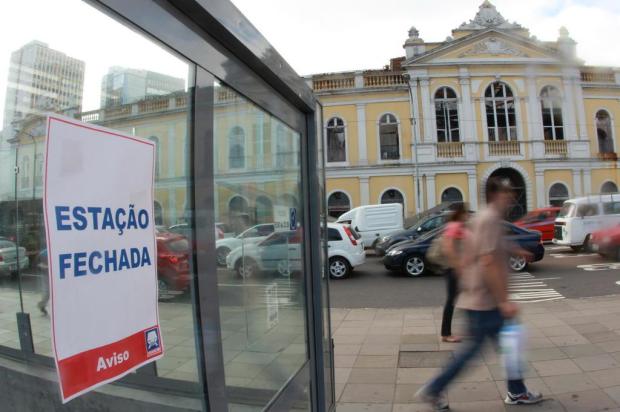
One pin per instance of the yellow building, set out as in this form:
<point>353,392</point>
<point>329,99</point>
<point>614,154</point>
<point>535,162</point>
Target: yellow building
<point>491,100</point>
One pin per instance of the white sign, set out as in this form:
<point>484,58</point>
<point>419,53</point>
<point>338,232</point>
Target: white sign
<point>98,206</point>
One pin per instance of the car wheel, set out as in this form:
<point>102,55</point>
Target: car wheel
<point>517,263</point>
<point>576,248</point>
<point>221,254</point>
<point>339,268</point>
<point>284,268</point>
<point>414,266</point>
<point>246,268</point>
<point>587,245</point>
<point>617,255</point>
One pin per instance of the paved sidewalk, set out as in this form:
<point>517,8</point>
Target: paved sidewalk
<point>384,355</point>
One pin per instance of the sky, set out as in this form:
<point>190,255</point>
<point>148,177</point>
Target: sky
<point>340,35</point>
<point>315,36</point>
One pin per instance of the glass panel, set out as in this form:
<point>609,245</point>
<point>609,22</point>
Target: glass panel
<point>389,142</point>
<point>127,83</point>
<point>261,278</point>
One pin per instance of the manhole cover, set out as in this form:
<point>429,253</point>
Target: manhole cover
<point>420,359</point>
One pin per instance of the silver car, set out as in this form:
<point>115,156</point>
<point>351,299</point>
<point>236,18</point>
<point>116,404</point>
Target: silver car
<point>8,257</point>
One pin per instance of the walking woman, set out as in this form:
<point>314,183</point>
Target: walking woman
<point>452,246</point>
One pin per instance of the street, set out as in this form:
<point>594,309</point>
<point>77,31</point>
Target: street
<point>561,274</point>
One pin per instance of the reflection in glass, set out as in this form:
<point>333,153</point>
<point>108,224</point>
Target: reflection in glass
<point>260,275</point>
<point>118,91</point>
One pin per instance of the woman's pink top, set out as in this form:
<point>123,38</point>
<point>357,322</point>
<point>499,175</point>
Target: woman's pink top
<point>455,230</point>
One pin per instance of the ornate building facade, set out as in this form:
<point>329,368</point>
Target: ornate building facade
<point>490,100</point>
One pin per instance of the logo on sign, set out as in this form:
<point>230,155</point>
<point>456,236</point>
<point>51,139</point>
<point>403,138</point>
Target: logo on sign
<point>151,337</point>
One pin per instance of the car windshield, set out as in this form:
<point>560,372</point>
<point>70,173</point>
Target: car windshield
<point>568,210</point>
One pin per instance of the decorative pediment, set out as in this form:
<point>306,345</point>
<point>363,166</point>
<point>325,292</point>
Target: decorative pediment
<point>487,17</point>
<point>493,46</point>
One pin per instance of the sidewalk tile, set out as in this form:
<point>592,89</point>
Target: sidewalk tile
<point>536,343</point>
<point>542,354</point>
<point>473,391</point>
<point>364,407</point>
<point>419,347</point>
<point>569,383</point>
<point>382,339</point>
<point>596,362</point>
<point>590,328</point>
<point>405,393</point>
<point>418,338</point>
<point>368,393</point>
<point>479,373</point>
<point>379,349</point>
<point>372,375</point>
<point>416,375</point>
<point>376,361</point>
<point>411,407</point>
<point>341,375</point>
<point>556,367</point>
<point>568,340</point>
<point>479,406</point>
<point>563,330</point>
<point>384,331</point>
<point>614,393</point>
<point>598,337</point>
<point>361,314</point>
<point>575,351</point>
<point>498,372</point>
<point>344,361</point>
<point>349,339</point>
<point>351,331</point>
<point>347,349</point>
<point>595,400</point>
<point>611,346</point>
<point>606,378</point>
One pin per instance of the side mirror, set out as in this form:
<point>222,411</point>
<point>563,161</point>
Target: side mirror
<point>419,229</point>
<point>357,229</point>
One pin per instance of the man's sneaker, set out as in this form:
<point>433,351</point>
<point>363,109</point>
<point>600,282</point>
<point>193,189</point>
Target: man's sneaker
<point>438,402</point>
<point>526,398</point>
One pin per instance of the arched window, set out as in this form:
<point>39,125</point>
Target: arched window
<point>388,137</point>
<point>158,211</point>
<point>551,103</point>
<point>337,204</point>
<point>155,140</point>
<point>336,142</point>
<point>500,110</point>
<point>236,148</point>
<point>25,172</point>
<point>238,205</point>
<point>392,196</point>
<point>609,187</point>
<point>285,150</point>
<point>604,132</point>
<point>558,194</point>
<point>451,195</point>
<point>446,115</point>
<point>288,200</point>
<point>264,210</point>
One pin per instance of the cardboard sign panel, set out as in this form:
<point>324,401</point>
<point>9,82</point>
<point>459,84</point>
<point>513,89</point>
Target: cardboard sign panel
<point>102,258</point>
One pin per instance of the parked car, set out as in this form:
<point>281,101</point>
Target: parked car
<point>410,257</point>
<point>12,257</point>
<point>542,220</point>
<point>173,251</point>
<point>186,230</point>
<point>254,234</point>
<point>606,242</point>
<point>373,222</point>
<point>281,253</point>
<point>424,226</point>
<point>582,216</point>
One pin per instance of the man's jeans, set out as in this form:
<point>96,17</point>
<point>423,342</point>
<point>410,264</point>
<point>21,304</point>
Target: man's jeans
<point>482,325</point>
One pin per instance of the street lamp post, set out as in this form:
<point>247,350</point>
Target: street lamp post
<point>412,119</point>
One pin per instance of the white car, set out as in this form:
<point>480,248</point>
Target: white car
<point>254,234</point>
<point>9,260</point>
<point>281,253</point>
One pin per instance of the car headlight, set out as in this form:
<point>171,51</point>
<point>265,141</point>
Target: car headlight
<point>395,252</point>
<point>384,239</point>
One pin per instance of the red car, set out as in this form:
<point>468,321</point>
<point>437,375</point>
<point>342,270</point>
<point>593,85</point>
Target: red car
<point>173,251</point>
<point>607,242</point>
<point>541,220</point>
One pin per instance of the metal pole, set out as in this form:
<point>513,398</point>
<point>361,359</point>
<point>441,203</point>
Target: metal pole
<point>17,239</point>
<point>415,145</point>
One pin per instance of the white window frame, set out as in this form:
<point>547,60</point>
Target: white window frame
<point>400,139</point>
<point>458,118</point>
<point>346,142</point>
<point>560,100</point>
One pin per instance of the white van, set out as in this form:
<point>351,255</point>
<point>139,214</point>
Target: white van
<point>373,222</point>
<point>582,216</point>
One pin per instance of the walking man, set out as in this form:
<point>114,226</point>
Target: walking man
<point>483,296</point>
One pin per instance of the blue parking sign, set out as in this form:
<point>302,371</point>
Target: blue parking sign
<point>292,218</point>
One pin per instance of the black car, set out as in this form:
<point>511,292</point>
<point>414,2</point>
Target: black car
<point>410,257</point>
<point>426,225</point>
